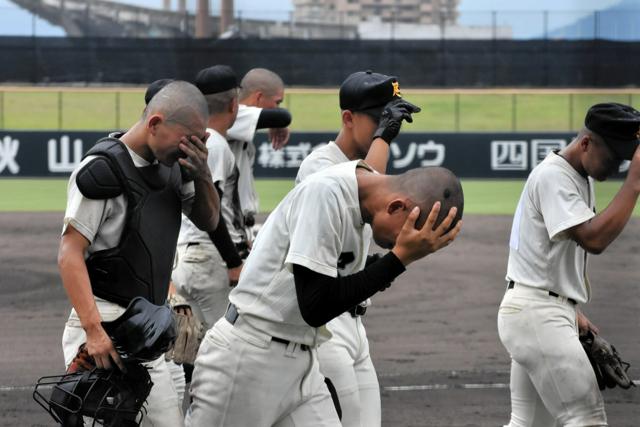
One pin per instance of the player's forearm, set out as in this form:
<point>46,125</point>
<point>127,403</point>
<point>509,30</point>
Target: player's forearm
<point>205,210</point>
<point>596,235</point>
<point>75,279</point>
<point>223,242</point>
<point>322,298</point>
<point>378,155</point>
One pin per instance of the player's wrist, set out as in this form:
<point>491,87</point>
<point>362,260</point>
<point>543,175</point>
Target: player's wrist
<point>402,255</point>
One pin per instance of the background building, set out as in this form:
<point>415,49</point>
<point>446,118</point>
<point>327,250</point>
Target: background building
<point>357,11</point>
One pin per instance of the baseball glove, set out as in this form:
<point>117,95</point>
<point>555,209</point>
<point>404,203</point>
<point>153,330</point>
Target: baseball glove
<point>190,332</point>
<point>82,361</point>
<point>609,368</point>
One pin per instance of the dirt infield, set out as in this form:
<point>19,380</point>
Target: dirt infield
<point>433,333</point>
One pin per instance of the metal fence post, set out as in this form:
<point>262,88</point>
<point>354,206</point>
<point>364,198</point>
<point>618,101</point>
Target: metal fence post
<point>494,24</point>
<point>456,117</point>
<point>1,109</point>
<point>545,23</point>
<point>514,112</point>
<point>117,110</point>
<point>570,111</point>
<point>33,24</point>
<point>59,110</point>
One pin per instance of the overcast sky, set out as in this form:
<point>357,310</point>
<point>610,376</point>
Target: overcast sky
<point>15,21</point>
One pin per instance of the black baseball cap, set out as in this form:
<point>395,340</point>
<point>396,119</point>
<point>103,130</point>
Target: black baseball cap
<point>216,79</point>
<point>154,88</point>
<point>618,125</point>
<point>368,92</point>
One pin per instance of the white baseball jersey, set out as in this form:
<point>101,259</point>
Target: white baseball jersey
<point>101,221</point>
<point>240,137</point>
<point>318,225</point>
<point>225,173</point>
<point>319,159</point>
<point>555,198</point>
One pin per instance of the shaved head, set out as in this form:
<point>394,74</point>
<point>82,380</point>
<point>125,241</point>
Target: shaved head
<point>425,186</point>
<point>180,103</point>
<point>263,80</point>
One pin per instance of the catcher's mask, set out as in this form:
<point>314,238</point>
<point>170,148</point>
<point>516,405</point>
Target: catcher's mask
<point>109,397</point>
<point>142,333</point>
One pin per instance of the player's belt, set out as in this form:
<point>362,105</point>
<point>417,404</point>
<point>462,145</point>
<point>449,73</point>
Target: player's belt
<point>232,316</point>
<point>357,310</point>
<point>512,284</point>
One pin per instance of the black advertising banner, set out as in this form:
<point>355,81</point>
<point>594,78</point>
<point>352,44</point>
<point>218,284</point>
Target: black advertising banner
<point>468,155</point>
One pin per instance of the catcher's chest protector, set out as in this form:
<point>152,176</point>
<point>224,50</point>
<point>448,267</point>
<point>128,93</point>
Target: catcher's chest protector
<point>141,263</point>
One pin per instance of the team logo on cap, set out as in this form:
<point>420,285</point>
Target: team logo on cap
<point>638,133</point>
<point>396,89</point>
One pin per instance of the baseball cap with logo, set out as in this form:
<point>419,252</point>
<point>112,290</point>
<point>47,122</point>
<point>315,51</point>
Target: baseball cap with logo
<point>618,125</point>
<point>368,92</point>
<point>216,79</point>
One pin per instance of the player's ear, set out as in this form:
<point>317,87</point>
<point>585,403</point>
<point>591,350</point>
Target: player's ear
<point>233,105</point>
<point>347,118</point>
<point>396,206</point>
<point>585,141</point>
<point>153,122</point>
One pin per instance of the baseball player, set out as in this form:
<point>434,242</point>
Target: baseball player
<point>209,264</point>
<point>121,225</point>
<point>261,94</point>
<point>258,365</point>
<point>554,229</point>
<point>345,357</point>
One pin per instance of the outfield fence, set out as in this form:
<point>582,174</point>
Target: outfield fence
<point>317,110</point>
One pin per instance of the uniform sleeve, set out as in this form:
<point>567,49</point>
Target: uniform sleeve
<point>558,198</point>
<point>315,223</point>
<point>83,214</point>
<point>220,162</point>
<point>187,194</point>
<point>244,128</point>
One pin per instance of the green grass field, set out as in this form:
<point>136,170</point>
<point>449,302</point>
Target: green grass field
<point>75,109</point>
<point>485,197</point>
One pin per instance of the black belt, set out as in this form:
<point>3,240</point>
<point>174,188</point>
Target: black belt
<point>357,310</point>
<point>192,244</point>
<point>553,294</point>
<point>232,316</point>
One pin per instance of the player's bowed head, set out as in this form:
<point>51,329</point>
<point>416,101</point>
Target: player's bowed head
<point>415,213</point>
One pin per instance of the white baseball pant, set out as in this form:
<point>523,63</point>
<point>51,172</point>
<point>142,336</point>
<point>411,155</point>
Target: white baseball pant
<point>345,360</point>
<point>201,277</point>
<point>243,378</point>
<point>552,381</point>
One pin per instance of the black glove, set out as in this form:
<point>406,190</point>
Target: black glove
<point>391,119</point>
